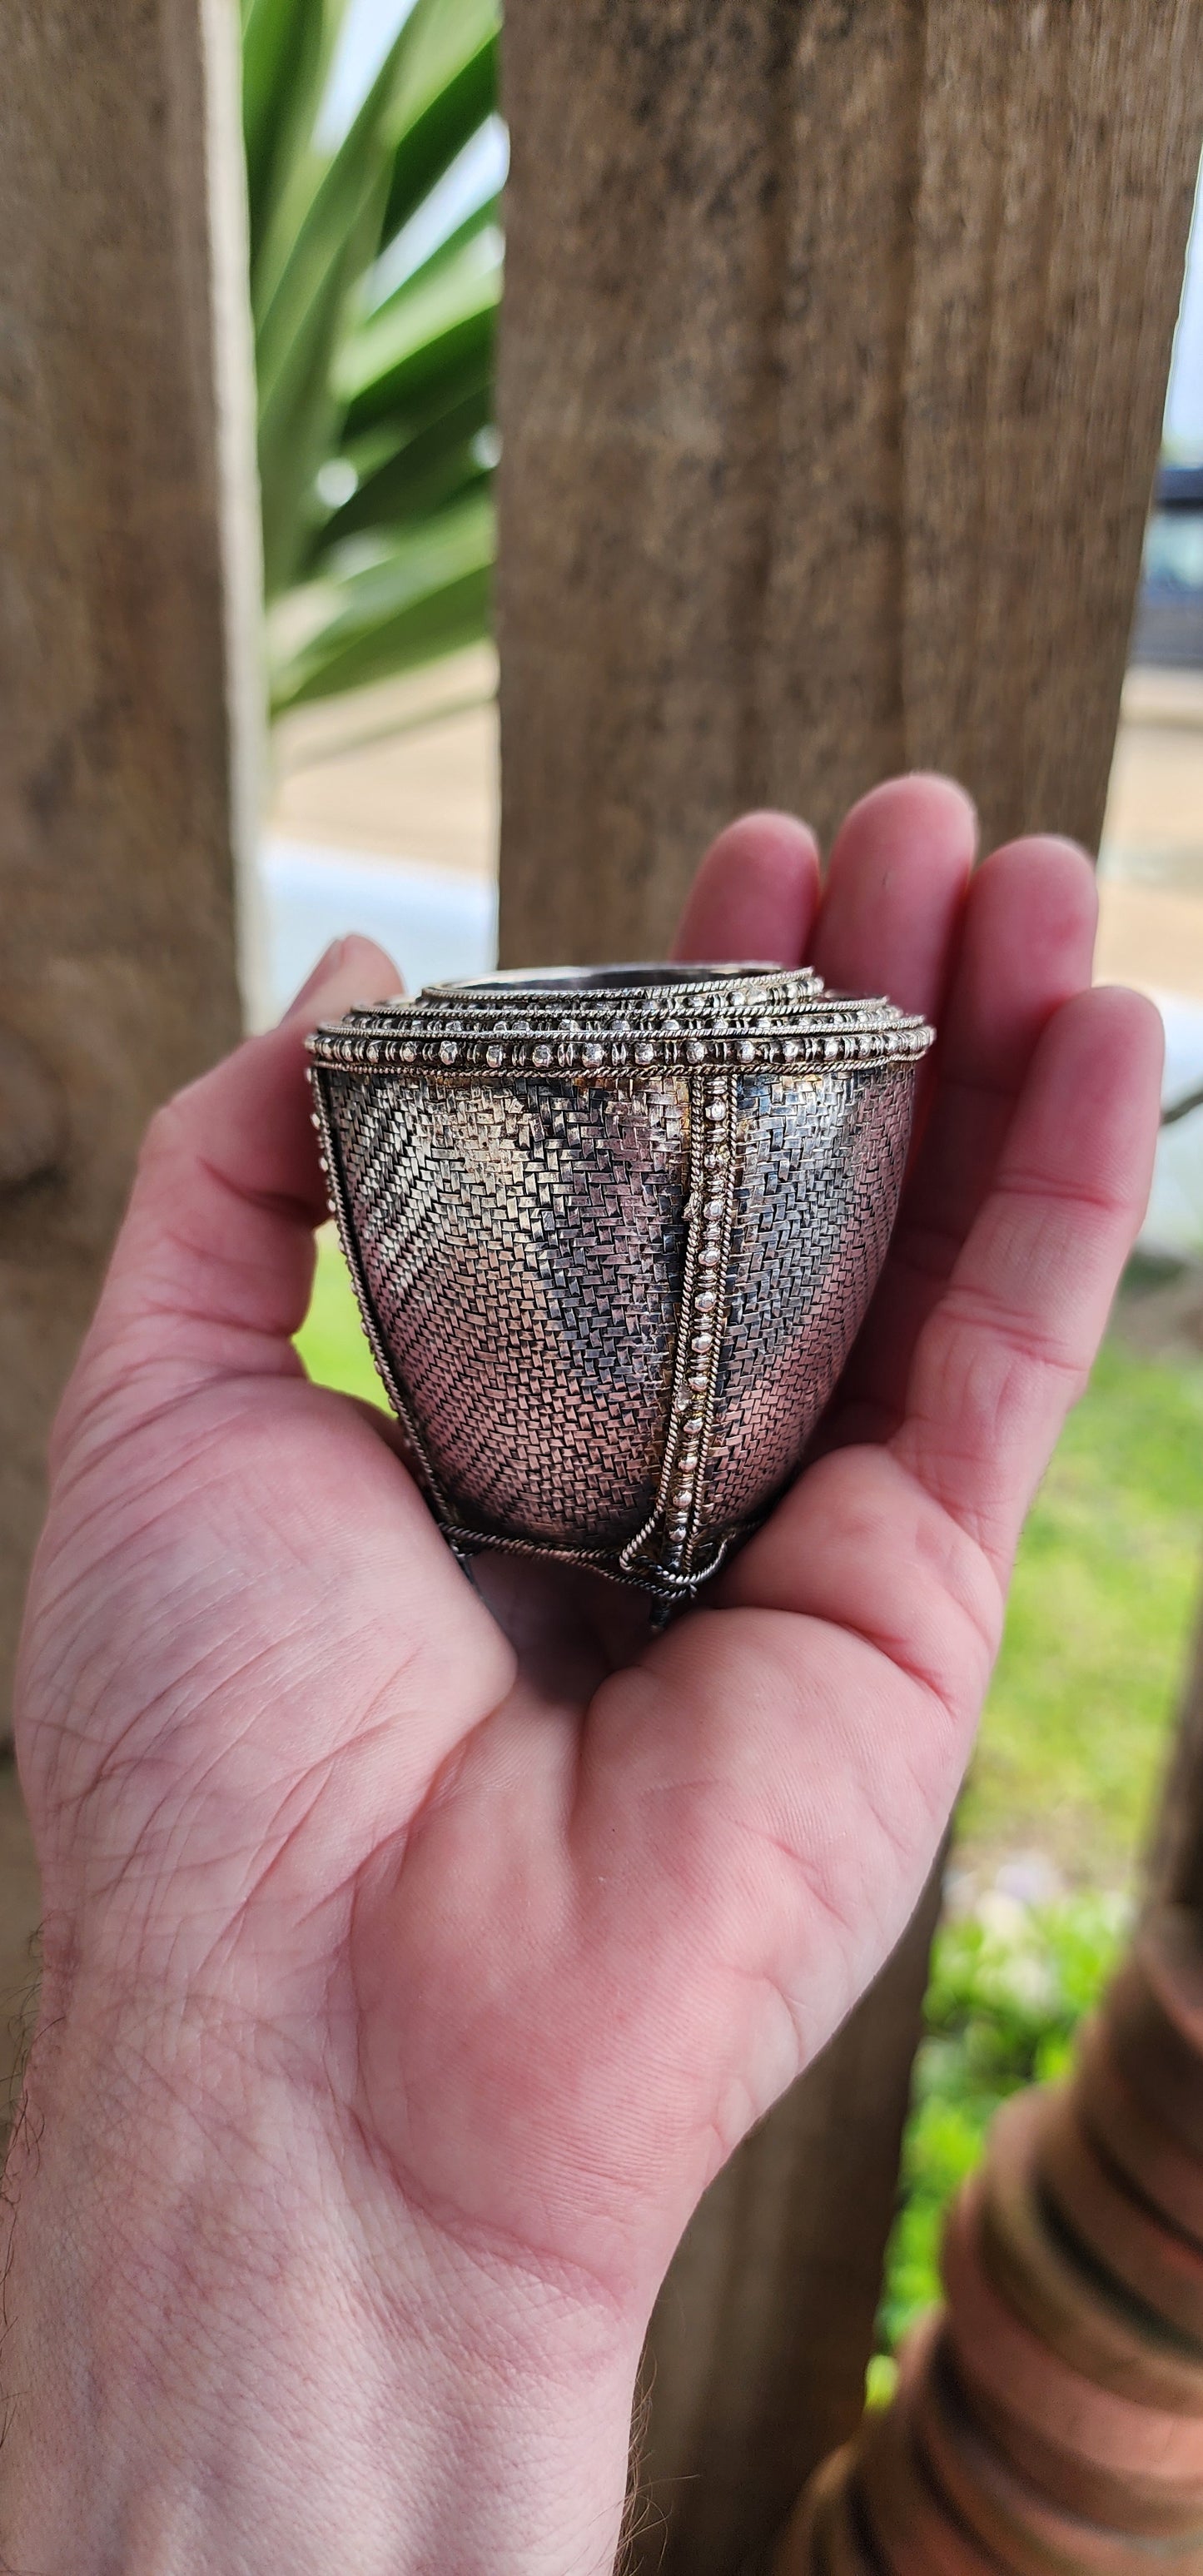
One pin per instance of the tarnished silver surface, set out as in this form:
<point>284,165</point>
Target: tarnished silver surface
<point>612,1232</point>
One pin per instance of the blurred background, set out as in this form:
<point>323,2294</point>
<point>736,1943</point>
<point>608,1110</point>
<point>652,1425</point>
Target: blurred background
<point>376,161</point>
<point>382,816</point>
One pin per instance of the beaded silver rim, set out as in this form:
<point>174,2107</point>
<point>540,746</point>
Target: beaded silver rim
<point>558,1021</point>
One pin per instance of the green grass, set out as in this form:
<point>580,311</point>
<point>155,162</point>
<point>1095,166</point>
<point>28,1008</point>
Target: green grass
<point>1009,1984</point>
<point>1074,1736</point>
<point>1072,1747</point>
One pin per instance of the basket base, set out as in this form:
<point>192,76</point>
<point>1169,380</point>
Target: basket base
<point>670,1593</point>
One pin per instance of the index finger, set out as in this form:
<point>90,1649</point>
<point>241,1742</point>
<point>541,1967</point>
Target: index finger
<point>212,1269</point>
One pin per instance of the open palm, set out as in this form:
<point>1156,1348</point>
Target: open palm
<point>542,1913</point>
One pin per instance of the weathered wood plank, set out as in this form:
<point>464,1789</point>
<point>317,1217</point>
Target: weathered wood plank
<point>834,349</point>
<point>755,2361</point>
<point>1058,149</point>
<point>835,341</point>
<point>120,768</point>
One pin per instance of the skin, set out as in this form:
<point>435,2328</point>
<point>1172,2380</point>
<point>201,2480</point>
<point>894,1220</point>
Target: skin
<point>415,1954</point>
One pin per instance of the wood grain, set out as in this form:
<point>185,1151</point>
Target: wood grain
<point>118,769</point>
<point>755,2361</point>
<point>832,370</point>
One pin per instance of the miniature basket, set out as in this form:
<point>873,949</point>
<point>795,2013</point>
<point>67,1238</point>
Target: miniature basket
<point>612,1232</point>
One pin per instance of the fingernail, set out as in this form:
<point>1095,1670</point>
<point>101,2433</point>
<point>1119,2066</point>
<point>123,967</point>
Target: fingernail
<point>326,966</point>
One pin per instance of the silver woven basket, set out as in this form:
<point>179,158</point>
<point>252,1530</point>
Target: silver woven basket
<point>612,1231</point>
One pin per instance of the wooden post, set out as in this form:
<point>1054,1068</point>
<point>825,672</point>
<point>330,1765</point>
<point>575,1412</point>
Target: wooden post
<point>1175,1872</point>
<point>127,691</point>
<point>834,351</point>
<point>835,341</point>
<point>755,2363</point>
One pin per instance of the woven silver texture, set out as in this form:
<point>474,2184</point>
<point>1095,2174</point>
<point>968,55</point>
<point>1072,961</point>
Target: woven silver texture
<point>612,1232</point>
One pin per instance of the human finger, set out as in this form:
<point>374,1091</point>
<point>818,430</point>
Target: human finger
<point>212,1269</point>
<point>1008,1346</point>
<point>1026,946</point>
<point>893,892</point>
<point>754,895</point>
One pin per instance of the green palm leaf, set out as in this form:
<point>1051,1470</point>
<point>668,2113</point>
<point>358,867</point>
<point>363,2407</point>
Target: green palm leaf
<point>433,327</point>
<point>442,449</point>
<point>429,594</point>
<point>286,47</point>
<point>375,404</point>
<point>452,88</point>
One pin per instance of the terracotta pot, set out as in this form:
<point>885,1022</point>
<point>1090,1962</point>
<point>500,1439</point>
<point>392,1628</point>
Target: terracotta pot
<point>1064,2302</point>
<point>1125,2130</point>
<point>1006,2512</point>
<point>917,2532</point>
<point>1105,2456</point>
<point>1154,2013</point>
<point>821,2539</point>
<point>1141,2511</point>
<point>845,2547</point>
<point>1161,2268</point>
<point>799,2551</point>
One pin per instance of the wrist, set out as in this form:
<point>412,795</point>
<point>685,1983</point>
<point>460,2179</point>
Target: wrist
<point>233,2344</point>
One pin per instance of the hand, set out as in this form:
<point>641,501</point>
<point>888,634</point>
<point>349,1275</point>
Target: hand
<point>412,1959</point>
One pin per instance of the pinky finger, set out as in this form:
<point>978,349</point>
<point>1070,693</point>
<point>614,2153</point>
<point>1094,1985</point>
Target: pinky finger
<point>1008,1347</point>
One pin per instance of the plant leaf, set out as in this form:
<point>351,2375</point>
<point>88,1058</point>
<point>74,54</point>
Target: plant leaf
<point>429,596</point>
<point>401,389</point>
<point>485,217</point>
<point>439,131</point>
<point>286,48</point>
<point>432,323</point>
<point>432,463</point>
<point>302,320</point>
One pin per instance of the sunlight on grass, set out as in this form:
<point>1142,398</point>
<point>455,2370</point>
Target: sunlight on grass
<point>1076,1725</point>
